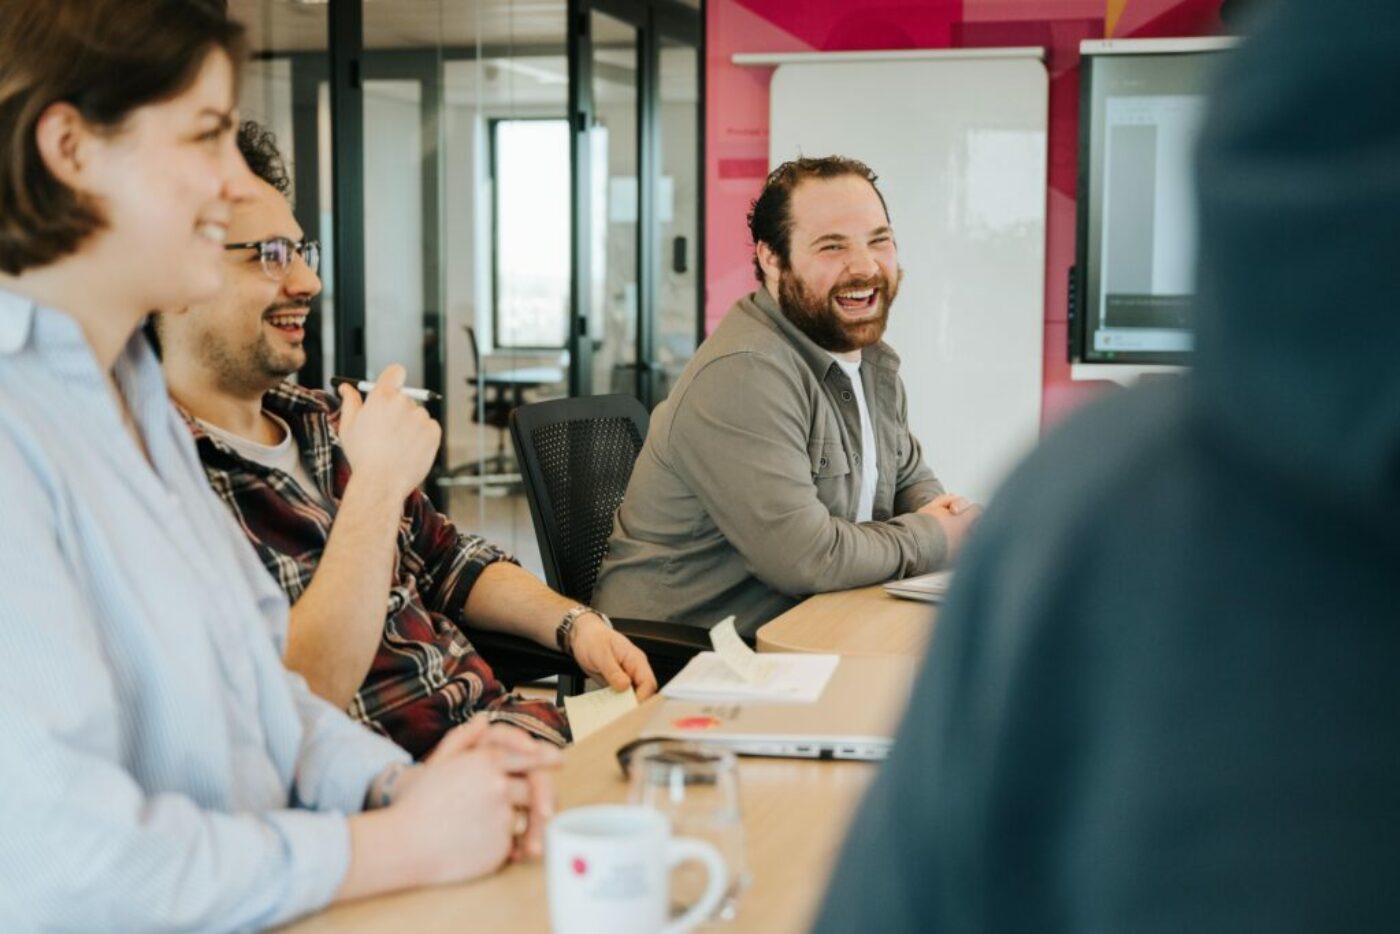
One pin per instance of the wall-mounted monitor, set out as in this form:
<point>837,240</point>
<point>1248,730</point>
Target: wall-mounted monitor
<point>1141,107</point>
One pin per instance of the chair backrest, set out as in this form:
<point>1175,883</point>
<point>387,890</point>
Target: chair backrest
<point>476,352</point>
<point>576,456</point>
<point>488,407</point>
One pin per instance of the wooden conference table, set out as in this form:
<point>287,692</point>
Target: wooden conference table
<point>795,812</point>
<point>866,621</point>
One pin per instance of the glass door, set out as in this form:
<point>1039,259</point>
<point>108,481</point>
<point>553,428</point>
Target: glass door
<point>508,198</point>
<point>285,89</point>
<point>614,305</point>
<point>679,287</point>
<point>636,155</point>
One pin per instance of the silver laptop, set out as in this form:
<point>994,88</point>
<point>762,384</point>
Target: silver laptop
<point>855,717</point>
<point>930,588</point>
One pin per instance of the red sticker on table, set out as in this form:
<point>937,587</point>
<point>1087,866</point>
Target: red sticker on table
<point>695,723</point>
<point>579,866</point>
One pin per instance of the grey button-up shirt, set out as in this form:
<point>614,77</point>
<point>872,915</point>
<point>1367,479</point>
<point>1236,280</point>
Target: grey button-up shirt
<point>744,497</point>
<point>159,768</point>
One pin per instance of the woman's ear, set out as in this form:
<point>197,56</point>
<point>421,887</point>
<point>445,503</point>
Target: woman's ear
<point>61,135</point>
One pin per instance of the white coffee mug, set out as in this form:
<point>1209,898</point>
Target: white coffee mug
<point>609,870</point>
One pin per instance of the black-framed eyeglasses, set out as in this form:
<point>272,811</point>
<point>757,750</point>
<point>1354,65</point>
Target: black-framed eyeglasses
<point>276,255</point>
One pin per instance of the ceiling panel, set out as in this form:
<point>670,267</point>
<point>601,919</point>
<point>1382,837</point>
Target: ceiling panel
<point>296,25</point>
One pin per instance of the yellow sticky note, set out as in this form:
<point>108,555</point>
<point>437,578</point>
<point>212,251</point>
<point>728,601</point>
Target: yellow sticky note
<point>590,712</point>
<point>736,653</point>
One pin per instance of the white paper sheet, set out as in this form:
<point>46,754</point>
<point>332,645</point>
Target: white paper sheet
<point>792,678</point>
<point>590,712</point>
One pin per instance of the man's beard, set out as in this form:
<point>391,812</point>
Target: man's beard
<point>256,367</point>
<point>817,317</point>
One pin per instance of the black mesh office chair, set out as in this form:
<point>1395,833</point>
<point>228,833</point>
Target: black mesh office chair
<point>513,660</point>
<point>576,456</point>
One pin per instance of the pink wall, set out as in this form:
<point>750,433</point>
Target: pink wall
<point>736,118</point>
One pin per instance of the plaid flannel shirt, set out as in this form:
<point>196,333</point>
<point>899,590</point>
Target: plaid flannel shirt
<point>426,676</point>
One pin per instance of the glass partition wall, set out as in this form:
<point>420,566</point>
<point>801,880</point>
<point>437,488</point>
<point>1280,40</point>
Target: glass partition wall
<point>286,89</point>
<point>435,153</point>
<point>635,83</point>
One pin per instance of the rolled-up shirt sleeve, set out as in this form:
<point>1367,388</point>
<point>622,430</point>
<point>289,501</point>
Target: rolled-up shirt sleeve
<point>450,561</point>
<point>339,757</point>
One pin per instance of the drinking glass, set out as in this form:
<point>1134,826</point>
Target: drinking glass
<point>698,789</point>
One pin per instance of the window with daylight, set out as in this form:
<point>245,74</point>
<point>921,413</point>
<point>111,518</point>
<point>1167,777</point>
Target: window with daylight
<point>530,162</point>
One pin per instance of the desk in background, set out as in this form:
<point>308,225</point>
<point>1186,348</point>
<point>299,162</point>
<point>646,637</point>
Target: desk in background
<point>514,383</point>
<point>504,393</point>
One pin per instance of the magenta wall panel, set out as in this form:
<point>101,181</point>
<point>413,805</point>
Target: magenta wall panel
<point>737,111</point>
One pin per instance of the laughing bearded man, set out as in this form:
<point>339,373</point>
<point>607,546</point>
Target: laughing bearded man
<point>782,464</point>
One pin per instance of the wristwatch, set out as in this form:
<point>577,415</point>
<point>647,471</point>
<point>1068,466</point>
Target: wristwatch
<point>564,634</point>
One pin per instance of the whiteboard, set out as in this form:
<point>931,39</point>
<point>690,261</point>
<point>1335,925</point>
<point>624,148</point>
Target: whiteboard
<point>959,146</point>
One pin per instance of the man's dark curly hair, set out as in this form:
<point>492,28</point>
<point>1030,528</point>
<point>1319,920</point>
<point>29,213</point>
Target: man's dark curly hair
<point>259,148</point>
<point>770,216</point>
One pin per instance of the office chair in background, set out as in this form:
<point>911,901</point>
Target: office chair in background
<point>514,660</point>
<point>491,406</point>
<point>494,395</point>
<point>575,457</point>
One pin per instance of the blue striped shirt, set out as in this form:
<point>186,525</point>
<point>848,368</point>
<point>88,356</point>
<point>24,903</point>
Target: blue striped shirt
<point>159,768</point>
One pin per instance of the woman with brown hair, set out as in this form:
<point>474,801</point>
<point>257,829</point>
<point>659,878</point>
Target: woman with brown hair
<point>159,769</point>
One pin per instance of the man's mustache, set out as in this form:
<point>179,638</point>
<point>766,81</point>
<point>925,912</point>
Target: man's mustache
<point>877,282</point>
<point>287,306</point>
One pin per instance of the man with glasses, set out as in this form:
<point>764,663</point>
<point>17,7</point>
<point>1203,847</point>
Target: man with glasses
<point>380,582</point>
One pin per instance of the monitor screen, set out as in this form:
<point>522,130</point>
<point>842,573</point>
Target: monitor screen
<point>1142,107</point>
